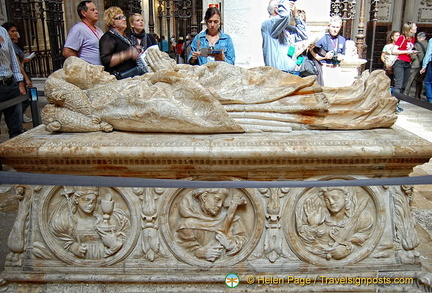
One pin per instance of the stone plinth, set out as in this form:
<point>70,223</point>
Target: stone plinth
<point>124,239</point>
<point>268,156</point>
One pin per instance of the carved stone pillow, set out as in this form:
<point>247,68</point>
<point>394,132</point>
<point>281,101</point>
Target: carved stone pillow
<point>67,95</point>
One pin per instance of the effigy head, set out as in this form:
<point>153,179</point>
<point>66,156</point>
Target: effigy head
<point>85,75</point>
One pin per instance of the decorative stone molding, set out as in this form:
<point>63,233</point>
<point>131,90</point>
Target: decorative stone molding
<point>426,3</point>
<point>97,231</point>
<point>152,238</point>
<point>425,14</point>
<point>384,11</point>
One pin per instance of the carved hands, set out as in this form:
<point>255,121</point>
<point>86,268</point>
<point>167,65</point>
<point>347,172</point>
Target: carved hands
<point>78,249</point>
<point>110,239</point>
<point>339,250</point>
<point>213,250</point>
<point>157,60</point>
<point>210,252</point>
<point>313,212</point>
<point>227,241</point>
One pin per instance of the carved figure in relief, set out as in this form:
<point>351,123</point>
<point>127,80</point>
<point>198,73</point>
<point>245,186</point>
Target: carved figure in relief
<point>332,223</point>
<point>89,228</point>
<point>213,98</point>
<point>207,229</point>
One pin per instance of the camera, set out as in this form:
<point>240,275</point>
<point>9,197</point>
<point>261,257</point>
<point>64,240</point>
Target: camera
<point>335,59</point>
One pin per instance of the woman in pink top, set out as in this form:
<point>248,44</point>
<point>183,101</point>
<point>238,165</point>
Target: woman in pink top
<point>404,47</point>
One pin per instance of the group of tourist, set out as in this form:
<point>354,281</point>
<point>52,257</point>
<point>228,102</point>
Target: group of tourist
<point>286,46</point>
<point>406,59</point>
<point>120,52</point>
<point>117,51</point>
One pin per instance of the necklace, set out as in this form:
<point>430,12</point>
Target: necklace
<point>94,31</point>
<point>213,39</point>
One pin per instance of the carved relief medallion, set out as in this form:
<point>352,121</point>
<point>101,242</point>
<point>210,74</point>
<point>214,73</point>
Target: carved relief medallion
<point>212,226</point>
<point>334,225</point>
<point>88,225</point>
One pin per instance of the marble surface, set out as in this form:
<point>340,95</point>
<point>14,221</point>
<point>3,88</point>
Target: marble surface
<point>159,239</point>
<point>297,155</point>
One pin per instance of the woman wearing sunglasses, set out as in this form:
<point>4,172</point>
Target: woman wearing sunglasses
<point>118,52</point>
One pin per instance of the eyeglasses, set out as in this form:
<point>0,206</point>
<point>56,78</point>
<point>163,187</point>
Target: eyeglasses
<point>121,17</point>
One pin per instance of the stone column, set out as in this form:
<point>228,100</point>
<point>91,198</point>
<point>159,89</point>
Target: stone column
<point>397,15</point>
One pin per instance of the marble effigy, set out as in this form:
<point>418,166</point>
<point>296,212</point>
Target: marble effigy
<point>130,239</point>
<point>214,98</point>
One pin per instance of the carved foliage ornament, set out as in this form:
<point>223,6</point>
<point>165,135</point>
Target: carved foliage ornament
<point>426,2</point>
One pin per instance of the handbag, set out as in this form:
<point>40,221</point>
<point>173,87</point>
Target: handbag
<point>390,59</point>
<point>134,71</point>
<point>307,67</point>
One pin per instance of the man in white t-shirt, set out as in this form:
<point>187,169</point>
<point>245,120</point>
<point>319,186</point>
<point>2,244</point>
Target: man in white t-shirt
<point>83,37</point>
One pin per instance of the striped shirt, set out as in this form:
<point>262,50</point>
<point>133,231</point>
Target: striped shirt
<point>8,61</point>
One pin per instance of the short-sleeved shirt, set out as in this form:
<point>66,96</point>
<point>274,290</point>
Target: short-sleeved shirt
<point>85,41</point>
<point>328,43</point>
<point>403,44</point>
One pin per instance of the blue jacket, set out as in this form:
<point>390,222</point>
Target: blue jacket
<point>224,43</point>
<point>428,55</point>
<point>278,36</point>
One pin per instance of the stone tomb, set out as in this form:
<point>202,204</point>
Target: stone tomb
<point>130,239</point>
